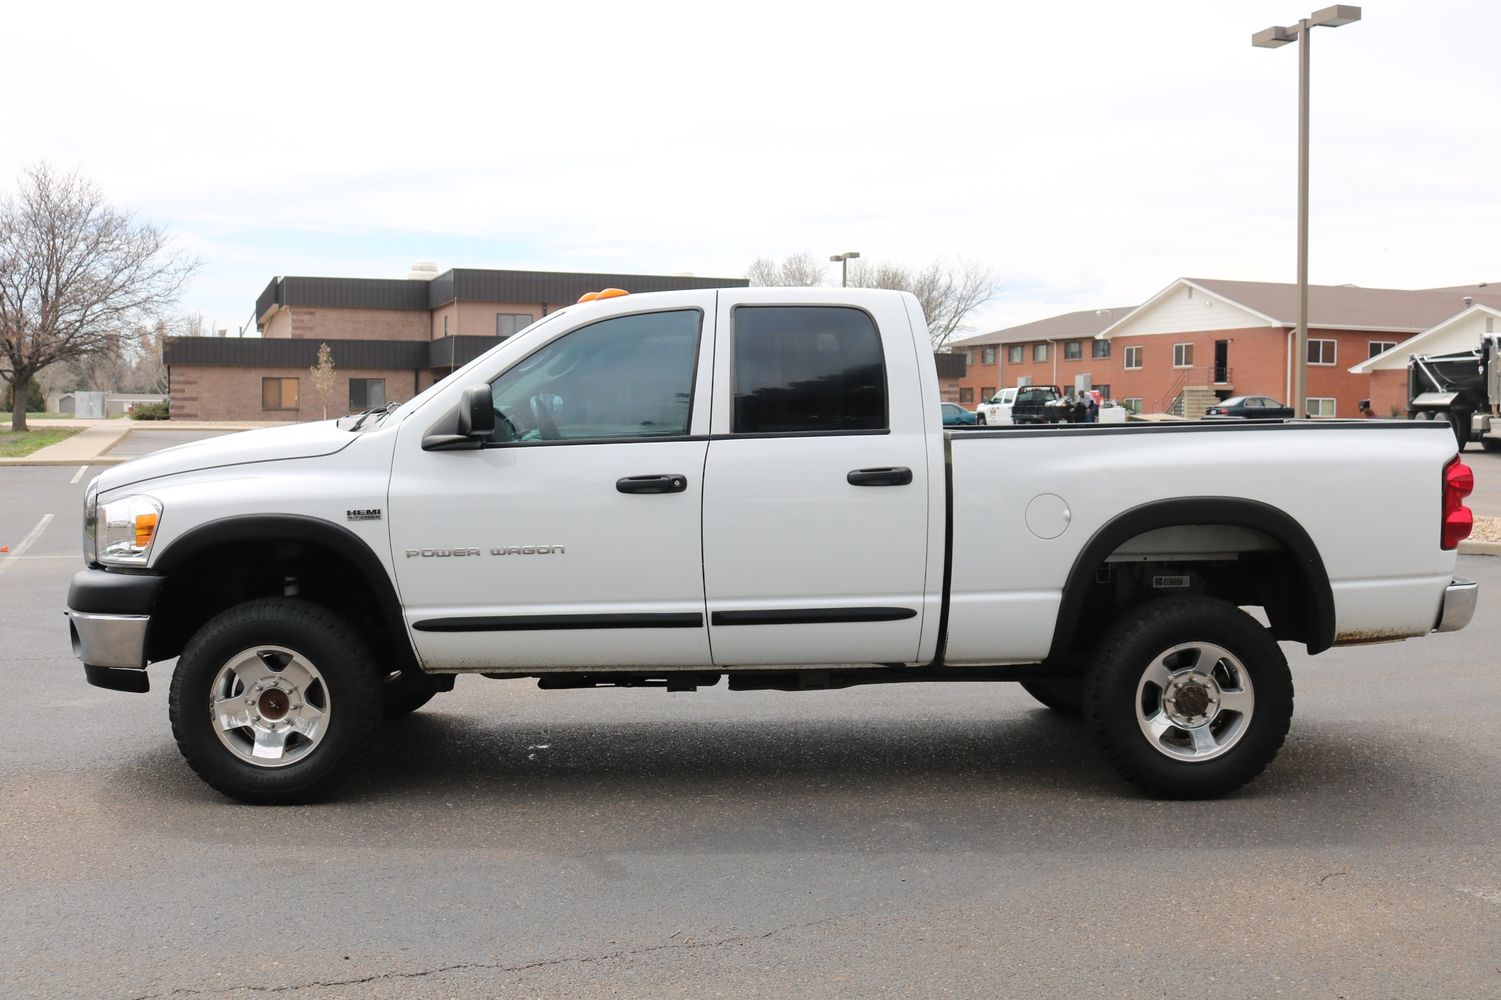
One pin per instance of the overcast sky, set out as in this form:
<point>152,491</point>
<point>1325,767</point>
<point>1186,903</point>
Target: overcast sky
<point>1088,153</point>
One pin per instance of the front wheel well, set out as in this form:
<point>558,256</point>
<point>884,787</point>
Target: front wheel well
<point>216,577</point>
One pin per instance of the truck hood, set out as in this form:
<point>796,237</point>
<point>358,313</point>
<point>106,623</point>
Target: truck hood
<point>269,445</point>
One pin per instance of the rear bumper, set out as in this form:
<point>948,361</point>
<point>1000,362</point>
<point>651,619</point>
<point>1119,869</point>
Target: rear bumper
<point>108,619</point>
<point>1459,605</point>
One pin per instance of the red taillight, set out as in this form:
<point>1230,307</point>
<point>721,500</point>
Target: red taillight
<point>1459,482</point>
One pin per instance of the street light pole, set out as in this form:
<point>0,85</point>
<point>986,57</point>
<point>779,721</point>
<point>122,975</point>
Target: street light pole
<point>843,259</point>
<point>1271,38</point>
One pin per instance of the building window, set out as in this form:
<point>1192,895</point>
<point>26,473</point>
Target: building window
<point>1040,352</point>
<point>1132,403</point>
<point>1321,406</point>
<point>969,358</point>
<point>367,393</point>
<point>1099,348</point>
<point>1103,390</point>
<point>1490,324</point>
<point>445,326</point>
<point>279,394</point>
<point>510,324</point>
<point>1073,350</point>
<point>966,394</point>
<point>1133,357</point>
<point>987,355</point>
<point>1321,352</point>
<point>1016,354</point>
<point>1183,355</point>
<point>1380,347</point>
<point>807,368</point>
<point>986,393</point>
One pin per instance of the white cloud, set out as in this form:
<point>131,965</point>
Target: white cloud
<point>1088,154</point>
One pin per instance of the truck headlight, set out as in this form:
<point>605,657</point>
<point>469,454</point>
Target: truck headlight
<point>91,522</point>
<point>121,531</point>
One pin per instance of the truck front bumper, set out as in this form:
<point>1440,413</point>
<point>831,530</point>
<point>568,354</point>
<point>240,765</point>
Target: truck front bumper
<point>109,615</point>
<point>1459,605</point>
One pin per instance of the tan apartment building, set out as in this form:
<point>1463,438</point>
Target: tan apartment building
<point>390,338</point>
<point>1199,340</point>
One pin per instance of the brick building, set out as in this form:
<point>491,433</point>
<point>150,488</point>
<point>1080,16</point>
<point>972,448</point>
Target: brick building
<point>1201,339</point>
<point>390,338</point>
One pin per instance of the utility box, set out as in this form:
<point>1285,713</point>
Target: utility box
<point>88,405</point>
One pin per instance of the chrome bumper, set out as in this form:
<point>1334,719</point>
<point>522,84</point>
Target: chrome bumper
<point>1459,605</point>
<point>113,641</point>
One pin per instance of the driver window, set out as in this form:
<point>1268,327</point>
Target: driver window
<point>627,377</point>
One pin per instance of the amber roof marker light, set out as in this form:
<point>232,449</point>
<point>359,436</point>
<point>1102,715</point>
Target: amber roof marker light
<point>608,293</point>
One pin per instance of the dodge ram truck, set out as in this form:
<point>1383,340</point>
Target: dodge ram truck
<point>754,487</point>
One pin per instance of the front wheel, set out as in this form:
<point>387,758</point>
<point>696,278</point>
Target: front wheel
<point>1189,697</point>
<point>275,701</point>
<point>980,419</point>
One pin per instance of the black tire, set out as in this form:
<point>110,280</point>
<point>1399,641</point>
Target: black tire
<point>1064,695</point>
<point>1460,423</point>
<point>1492,445</point>
<point>980,419</point>
<point>1113,692</point>
<point>406,694</point>
<point>351,689</point>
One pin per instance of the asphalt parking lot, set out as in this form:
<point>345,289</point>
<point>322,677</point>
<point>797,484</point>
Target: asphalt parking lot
<point>917,840</point>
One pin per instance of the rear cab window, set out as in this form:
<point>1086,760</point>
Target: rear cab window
<point>807,370</point>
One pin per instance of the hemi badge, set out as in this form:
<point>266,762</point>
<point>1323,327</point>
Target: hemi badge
<point>367,514</point>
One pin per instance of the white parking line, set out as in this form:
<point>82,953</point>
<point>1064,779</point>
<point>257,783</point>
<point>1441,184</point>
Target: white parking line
<point>26,543</point>
<point>78,475</point>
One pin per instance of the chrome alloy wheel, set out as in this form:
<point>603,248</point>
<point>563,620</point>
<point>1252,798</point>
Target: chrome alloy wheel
<point>1194,701</point>
<point>269,706</point>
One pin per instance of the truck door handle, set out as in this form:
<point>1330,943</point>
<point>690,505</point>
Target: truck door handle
<point>896,475</point>
<point>652,484</point>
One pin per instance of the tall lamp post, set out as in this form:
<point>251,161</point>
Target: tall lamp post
<point>843,260</point>
<point>1271,38</point>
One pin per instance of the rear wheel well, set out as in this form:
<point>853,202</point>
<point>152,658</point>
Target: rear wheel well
<point>217,577</point>
<point>1239,551</point>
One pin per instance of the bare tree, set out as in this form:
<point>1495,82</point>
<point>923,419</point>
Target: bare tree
<point>801,270</point>
<point>322,376</point>
<point>75,275</point>
<point>947,292</point>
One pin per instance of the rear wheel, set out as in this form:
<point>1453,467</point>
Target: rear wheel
<point>1062,694</point>
<point>1491,444</point>
<point>275,701</point>
<point>1460,422</point>
<point>1189,697</point>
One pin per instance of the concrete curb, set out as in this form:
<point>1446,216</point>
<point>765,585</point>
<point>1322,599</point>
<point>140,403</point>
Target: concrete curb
<point>1472,548</point>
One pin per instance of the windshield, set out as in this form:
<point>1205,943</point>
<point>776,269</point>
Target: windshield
<point>421,397</point>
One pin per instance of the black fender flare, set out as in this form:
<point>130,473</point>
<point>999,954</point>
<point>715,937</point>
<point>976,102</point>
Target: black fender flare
<point>1235,512</point>
<point>264,528</point>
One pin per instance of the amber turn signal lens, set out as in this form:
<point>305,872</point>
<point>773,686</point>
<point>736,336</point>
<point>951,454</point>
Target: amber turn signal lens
<point>145,529</point>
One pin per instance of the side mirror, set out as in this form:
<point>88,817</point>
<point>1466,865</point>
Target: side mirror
<point>474,422</point>
<point>476,414</point>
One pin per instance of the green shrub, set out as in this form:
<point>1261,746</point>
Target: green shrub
<point>151,411</point>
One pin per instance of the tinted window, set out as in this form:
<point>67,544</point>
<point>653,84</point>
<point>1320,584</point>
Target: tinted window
<point>807,368</point>
<point>628,377</point>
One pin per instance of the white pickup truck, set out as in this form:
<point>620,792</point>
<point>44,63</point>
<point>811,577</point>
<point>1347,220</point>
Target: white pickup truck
<point>753,485</point>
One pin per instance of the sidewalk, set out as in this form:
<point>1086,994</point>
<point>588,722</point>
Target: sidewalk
<point>92,446</point>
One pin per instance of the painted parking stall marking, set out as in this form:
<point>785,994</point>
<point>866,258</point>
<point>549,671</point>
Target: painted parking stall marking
<point>26,543</point>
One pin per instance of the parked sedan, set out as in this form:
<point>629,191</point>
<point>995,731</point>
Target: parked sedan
<point>1253,407</point>
<point>955,415</point>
